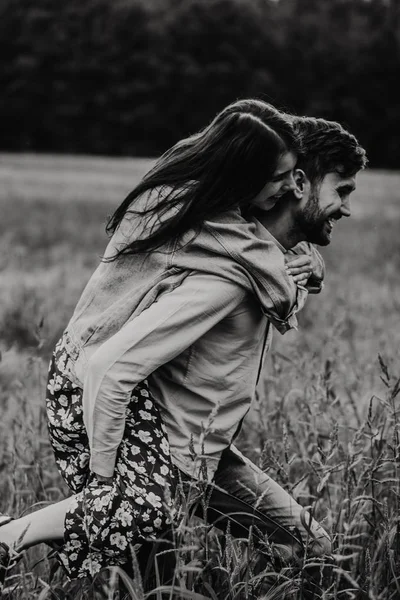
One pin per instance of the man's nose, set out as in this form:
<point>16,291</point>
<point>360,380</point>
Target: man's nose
<point>345,209</point>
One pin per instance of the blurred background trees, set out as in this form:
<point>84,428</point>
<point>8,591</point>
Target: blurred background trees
<point>130,77</point>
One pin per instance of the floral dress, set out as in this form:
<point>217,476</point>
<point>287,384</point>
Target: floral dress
<point>104,521</point>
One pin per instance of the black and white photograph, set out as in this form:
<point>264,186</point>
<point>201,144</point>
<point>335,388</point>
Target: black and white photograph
<point>200,300</point>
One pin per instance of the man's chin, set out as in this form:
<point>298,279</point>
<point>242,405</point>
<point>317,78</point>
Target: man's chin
<point>325,240</point>
<point>320,238</point>
<point>319,233</point>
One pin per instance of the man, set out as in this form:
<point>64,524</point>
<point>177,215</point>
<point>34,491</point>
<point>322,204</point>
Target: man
<point>241,493</point>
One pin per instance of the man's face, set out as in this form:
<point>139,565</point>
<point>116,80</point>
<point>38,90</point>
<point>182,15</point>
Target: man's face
<point>326,203</point>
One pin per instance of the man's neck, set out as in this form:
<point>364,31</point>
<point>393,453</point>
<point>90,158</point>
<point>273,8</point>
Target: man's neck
<point>281,226</point>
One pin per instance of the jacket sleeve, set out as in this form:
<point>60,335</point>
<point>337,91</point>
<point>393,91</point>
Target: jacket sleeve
<point>315,282</point>
<point>161,332</point>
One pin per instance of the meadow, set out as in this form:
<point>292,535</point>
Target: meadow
<point>325,422</point>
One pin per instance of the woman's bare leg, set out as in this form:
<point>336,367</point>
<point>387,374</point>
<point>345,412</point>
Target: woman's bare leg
<point>44,525</point>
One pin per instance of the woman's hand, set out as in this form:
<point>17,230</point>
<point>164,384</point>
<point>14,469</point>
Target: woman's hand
<point>102,479</point>
<point>299,267</point>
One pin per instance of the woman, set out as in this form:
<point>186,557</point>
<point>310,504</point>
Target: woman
<point>184,278</point>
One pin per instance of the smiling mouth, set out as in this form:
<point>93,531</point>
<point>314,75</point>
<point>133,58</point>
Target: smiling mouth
<point>331,222</point>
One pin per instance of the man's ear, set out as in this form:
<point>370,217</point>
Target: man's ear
<point>300,179</point>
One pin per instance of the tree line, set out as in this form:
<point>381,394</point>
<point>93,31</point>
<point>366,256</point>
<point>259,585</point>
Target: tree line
<point>130,77</point>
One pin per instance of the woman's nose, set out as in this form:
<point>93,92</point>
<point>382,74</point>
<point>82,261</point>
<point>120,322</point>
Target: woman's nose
<point>290,183</point>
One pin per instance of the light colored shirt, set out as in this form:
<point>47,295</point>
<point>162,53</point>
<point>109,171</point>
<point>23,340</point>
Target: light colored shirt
<point>201,347</point>
<point>194,319</point>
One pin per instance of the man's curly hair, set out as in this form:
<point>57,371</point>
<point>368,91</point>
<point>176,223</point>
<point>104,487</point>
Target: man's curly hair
<point>326,147</point>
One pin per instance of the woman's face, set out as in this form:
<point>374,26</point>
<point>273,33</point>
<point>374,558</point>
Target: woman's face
<point>281,182</point>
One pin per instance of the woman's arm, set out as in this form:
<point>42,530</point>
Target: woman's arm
<point>307,266</point>
<point>161,332</point>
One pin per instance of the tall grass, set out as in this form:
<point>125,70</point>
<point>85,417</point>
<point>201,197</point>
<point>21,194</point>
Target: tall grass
<point>325,422</point>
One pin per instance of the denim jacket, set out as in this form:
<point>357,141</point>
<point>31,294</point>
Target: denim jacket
<point>196,284</point>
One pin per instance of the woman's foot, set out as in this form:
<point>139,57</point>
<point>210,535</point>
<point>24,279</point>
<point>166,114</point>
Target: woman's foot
<point>4,563</point>
<point>8,557</point>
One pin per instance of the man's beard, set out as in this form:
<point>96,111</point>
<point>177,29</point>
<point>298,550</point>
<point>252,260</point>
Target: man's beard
<point>312,223</point>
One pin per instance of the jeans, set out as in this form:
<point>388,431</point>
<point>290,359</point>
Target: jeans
<point>249,499</point>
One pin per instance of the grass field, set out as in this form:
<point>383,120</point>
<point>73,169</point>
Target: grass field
<point>325,423</point>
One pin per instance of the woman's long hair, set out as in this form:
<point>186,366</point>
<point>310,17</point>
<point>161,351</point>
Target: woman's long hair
<point>223,166</point>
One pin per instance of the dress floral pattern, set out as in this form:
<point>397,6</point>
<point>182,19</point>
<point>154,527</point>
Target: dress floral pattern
<point>105,521</point>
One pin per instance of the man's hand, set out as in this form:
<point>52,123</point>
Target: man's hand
<point>299,267</point>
